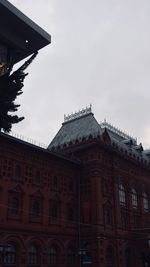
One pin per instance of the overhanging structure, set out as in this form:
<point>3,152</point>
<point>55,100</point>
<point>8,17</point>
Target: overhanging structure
<point>19,35</point>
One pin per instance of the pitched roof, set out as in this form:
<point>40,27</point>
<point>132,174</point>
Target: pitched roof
<point>76,129</point>
<point>83,124</point>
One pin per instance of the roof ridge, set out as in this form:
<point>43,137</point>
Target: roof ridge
<point>117,131</point>
<point>79,114</point>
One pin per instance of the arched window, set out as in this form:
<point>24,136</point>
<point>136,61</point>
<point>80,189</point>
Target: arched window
<point>109,256</point>
<point>71,257</point>
<point>127,257</point>
<point>134,199</point>
<point>38,177</point>
<point>71,186</point>
<point>124,220</point>
<point>14,205</point>
<point>70,214</point>
<point>107,215</point>
<point>145,202</point>
<point>10,255</point>
<point>35,208</point>
<point>54,212</point>
<point>17,171</point>
<point>122,195</point>
<point>33,255</point>
<point>55,183</point>
<point>52,255</point>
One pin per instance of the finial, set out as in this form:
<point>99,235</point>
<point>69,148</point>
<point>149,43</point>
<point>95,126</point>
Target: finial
<point>78,114</point>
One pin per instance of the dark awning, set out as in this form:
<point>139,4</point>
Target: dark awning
<point>19,33</point>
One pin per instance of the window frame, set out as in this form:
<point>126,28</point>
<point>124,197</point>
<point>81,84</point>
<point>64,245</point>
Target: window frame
<point>107,215</point>
<point>145,202</point>
<point>122,195</point>
<point>134,198</point>
<point>71,257</point>
<point>109,256</point>
<point>33,255</point>
<point>10,255</point>
<point>52,255</point>
<point>35,213</point>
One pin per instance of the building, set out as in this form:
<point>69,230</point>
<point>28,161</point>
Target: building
<point>83,201</point>
<point>37,190</point>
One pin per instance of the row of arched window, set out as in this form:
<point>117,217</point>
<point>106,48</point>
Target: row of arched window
<point>15,209</point>
<point>11,255</point>
<point>134,198</point>
<point>110,257</point>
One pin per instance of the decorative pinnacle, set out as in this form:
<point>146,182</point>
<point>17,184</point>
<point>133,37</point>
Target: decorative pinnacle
<point>105,124</point>
<point>78,114</point>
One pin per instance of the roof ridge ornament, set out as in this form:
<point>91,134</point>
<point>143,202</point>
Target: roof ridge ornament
<point>78,114</point>
<point>114,129</point>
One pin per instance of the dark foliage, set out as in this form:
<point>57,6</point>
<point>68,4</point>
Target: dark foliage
<point>10,87</point>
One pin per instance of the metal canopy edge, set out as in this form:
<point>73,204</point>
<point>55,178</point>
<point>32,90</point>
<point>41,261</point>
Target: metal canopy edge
<point>20,33</point>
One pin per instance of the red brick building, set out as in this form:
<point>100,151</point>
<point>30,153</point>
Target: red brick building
<point>83,201</point>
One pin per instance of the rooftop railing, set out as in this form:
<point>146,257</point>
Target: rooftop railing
<point>27,139</point>
<point>114,129</point>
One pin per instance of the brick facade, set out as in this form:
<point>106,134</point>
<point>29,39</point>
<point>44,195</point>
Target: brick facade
<point>84,204</point>
<point>38,204</point>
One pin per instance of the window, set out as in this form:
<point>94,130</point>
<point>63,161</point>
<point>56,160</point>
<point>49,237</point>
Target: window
<point>52,256</point>
<point>55,183</point>
<point>38,177</point>
<point>124,220</point>
<point>107,215</point>
<point>105,186</point>
<point>14,206</point>
<point>33,255</point>
<point>109,256</point>
<point>17,171</point>
<point>10,255</point>
<point>71,257</point>
<point>136,221</point>
<point>122,195</point>
<point>127,257</point>
<point>70,214</point>
<point>71,186</point>
<point>134,199</point>
<point>35,210</point>
<point>145,202</point>
<point>54,212</point>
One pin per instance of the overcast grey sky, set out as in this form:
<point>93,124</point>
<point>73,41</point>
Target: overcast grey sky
<point>100,54</point>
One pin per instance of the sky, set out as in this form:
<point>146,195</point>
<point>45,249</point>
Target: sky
<point>99,55</point>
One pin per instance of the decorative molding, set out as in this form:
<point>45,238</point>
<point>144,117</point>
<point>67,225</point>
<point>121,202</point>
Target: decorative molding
<point>78,114</point>
<point>109,126</point>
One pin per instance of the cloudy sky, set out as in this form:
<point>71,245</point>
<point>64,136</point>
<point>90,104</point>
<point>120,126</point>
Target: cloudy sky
<point>100,54</point>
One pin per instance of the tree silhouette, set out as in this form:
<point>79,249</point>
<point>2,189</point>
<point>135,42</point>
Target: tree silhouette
<point>11,85</point>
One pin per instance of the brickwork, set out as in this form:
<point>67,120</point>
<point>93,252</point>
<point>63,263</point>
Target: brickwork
<point>88,206</point>
<point>38,204</point>
<point>106,222</point>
